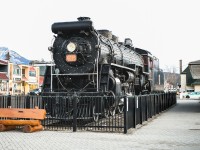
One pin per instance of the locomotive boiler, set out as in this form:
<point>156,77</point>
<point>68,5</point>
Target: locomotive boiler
<point>93,62</point>
<point>89,60</point>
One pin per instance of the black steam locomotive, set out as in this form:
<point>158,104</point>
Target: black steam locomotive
<point>93,62</point>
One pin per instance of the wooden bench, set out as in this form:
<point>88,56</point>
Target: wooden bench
<point>29,118</point>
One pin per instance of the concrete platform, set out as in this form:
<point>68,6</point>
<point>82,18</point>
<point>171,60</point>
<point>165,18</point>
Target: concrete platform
<point>177,128</point>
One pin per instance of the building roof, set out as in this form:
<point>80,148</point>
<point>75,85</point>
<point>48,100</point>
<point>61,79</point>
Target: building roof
<point>38,62</point>
<point>197,62</point>
<point>190,74</point>
<point>189,78</point>
<point>195,71</point>
<point>184,71</point>
<point>3,62</point>
<point>3,76</point>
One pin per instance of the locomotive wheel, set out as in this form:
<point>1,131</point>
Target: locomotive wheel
<point>106,113</point>
<point>120,108</point>
<point>96,118</point>
<point>112,111</point>
<point>95,115</point>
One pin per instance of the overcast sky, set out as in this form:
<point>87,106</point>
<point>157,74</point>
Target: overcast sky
<point>169,29</point>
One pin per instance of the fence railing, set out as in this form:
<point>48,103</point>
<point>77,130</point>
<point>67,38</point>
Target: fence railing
<point>93,113</point>
<point>140,108</point>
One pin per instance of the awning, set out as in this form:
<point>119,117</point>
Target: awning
<point>3,76</point>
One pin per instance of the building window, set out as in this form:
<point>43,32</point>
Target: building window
<point>17,71</point>
<point>32,73</point>
<point>17,88</point>
<point>23,73</point>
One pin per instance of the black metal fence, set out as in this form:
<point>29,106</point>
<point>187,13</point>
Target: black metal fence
<point>93,113</point>
<point>140,108</point>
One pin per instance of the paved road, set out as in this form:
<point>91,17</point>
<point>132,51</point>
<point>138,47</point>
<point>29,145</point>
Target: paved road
<point>177,128</point>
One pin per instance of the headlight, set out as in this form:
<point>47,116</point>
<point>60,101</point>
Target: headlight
<point>71,47</point>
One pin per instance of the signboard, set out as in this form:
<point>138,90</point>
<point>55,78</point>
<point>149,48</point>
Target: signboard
<point>17,79</point>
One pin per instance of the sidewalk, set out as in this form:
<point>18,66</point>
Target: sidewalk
<point>176,128</point>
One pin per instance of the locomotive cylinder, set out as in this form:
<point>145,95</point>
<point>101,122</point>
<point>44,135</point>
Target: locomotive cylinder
<point>129,77</point>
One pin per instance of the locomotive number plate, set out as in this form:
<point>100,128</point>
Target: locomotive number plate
<point>71,57</point>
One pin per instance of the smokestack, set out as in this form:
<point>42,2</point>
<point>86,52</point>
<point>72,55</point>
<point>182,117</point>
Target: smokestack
<point>83,19</point>
<point>180,64</point>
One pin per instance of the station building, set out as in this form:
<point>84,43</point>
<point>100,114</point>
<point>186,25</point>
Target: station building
<point>190,77</point>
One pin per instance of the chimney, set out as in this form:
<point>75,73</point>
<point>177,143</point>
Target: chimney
<point>180,65</point>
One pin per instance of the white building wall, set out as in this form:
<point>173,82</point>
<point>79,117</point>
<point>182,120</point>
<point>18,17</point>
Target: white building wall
<point>197,88</point>
<point>183,82</point>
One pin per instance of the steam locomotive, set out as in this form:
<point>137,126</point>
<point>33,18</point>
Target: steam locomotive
<point>94,62</point>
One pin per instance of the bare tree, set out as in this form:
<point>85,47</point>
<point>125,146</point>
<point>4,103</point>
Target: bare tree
<point>171,77</point>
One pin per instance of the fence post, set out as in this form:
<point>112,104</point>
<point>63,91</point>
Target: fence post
<point>160,102</point>
<point>175,99</point>
<point>28,104</point>
<point>141,109</point>
<point>146,109</point>
<point>134,115</point>
<point>150,106</point>
<point>74,99</point>
<point>9,101</point>
<point>125,114</point>
<point>154,105</point>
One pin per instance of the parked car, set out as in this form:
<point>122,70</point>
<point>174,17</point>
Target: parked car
<point>35,92</point>
<point>185,93</point>
<point>193,95</point>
